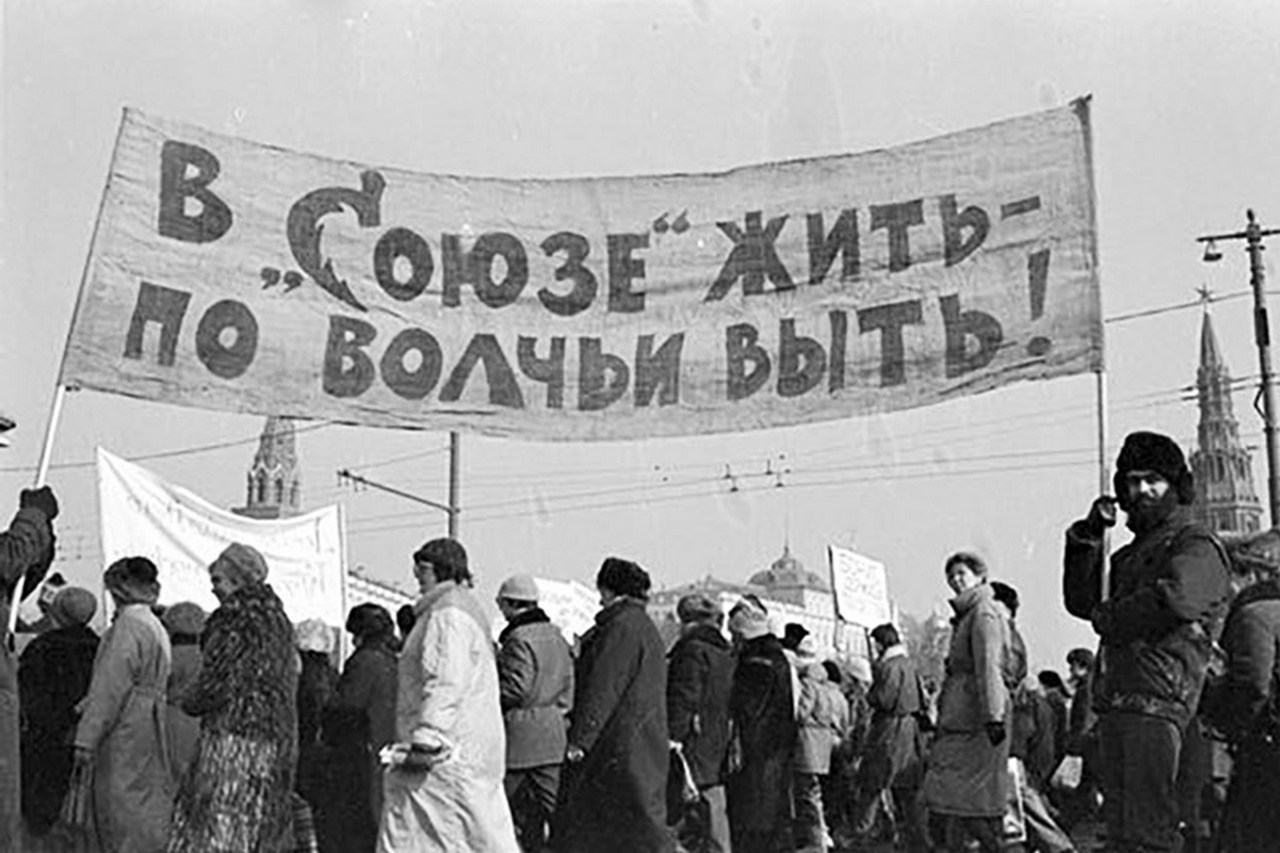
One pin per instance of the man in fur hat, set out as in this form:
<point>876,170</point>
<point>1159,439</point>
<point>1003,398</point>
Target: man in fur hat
<point>1157,622</point>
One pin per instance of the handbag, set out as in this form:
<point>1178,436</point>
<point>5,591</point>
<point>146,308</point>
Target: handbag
<point>74,831</point>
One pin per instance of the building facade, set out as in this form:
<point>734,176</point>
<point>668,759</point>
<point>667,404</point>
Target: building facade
<point>787,589</point>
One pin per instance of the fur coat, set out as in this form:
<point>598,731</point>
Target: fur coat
<point>235,796</point>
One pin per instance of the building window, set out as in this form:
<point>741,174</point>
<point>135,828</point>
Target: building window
<point>262,488</point>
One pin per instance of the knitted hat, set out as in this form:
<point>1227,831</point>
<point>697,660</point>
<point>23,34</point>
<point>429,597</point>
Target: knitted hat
<point>698,607</point>
<point>73,605</point>
<point>245,564</point>
<point>519,588</point>
<point>185,617</point>
<point>623,577</point>
<point>1151,451</point>
<point>314,636</point>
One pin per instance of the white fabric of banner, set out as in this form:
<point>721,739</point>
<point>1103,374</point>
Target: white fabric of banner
<point>143,515</point>
<point>232,275</point>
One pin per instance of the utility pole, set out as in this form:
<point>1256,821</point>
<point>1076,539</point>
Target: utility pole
<point>450,510</point>
<point>1252,235</point>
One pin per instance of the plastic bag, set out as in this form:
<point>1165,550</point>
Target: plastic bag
<point>1068,773</point>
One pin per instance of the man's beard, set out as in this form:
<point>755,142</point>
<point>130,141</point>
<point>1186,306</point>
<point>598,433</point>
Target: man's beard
<point>1145,513</point>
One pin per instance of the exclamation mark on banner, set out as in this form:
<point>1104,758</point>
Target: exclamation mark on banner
<point>1038,282</point>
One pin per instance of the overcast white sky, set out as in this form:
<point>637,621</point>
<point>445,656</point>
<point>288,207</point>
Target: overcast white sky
<point>1186,128</point>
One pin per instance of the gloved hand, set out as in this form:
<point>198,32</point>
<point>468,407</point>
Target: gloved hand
<point>42,499</point>
<point>420,757</point>
<point>995,732</point>
<point>1102,515</point>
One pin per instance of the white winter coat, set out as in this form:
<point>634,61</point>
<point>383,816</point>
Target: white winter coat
<point>448,695</point>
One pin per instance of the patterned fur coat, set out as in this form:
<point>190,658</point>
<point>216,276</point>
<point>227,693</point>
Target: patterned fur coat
<point>235,796</point>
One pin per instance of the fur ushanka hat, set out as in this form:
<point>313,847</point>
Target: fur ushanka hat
<point>1151,451</point>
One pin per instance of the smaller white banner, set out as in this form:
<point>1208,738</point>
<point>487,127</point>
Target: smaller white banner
<point>569,605</point>
<point>861,588</point>
<point>143,515</point>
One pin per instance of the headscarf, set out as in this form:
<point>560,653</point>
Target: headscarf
<point>72,605</point>
<point>132,580</point>
<point>244,564</point>
<point>314,636</point>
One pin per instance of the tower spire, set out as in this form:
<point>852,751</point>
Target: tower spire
<point>274,487</point>
<point>1226,501</point>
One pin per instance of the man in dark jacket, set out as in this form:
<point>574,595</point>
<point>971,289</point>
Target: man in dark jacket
<point>1244,704</point>
<point>759,783</point>
<point>26,550</point>
<point>1157,622</point>
<point>535,683</point>
<point>615,795</point>
<point>699,678</point>
<point>893,757</point>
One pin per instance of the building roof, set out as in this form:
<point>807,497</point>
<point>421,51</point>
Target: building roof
<point>787,571</point>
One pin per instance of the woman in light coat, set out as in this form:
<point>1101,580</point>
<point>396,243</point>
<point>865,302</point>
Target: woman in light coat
<point>447,795</point>
<point>122,730</point>
<point>966,784</point>
<point>823,723</point>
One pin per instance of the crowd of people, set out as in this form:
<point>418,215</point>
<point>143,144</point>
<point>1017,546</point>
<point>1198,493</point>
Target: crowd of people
<point>236,730</point>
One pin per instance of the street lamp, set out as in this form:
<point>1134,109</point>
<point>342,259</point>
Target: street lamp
<point>1252,235</point>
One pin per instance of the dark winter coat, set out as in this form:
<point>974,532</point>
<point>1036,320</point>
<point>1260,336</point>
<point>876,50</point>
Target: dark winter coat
<point>364,710</point>
<point>535,684</point>
<point>26,550</point>
<point>1168,597</point>
<point>615,798</point>
<point>317,688</point>
<point>1032,736</point>
<point>1245,705</point>
<point>1082,719</point>
<point>760,703</point>
<point>1245,701</point>
<point>1060,704</point>
<point>360,721</point>
<point>236,795</point>
<point>894,748</point>
<point>53,675</point>
<point>699,681</point>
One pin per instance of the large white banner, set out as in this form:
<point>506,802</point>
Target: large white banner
<point>861,588</point>
<point>233,275</point>
<point>142,515</point>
